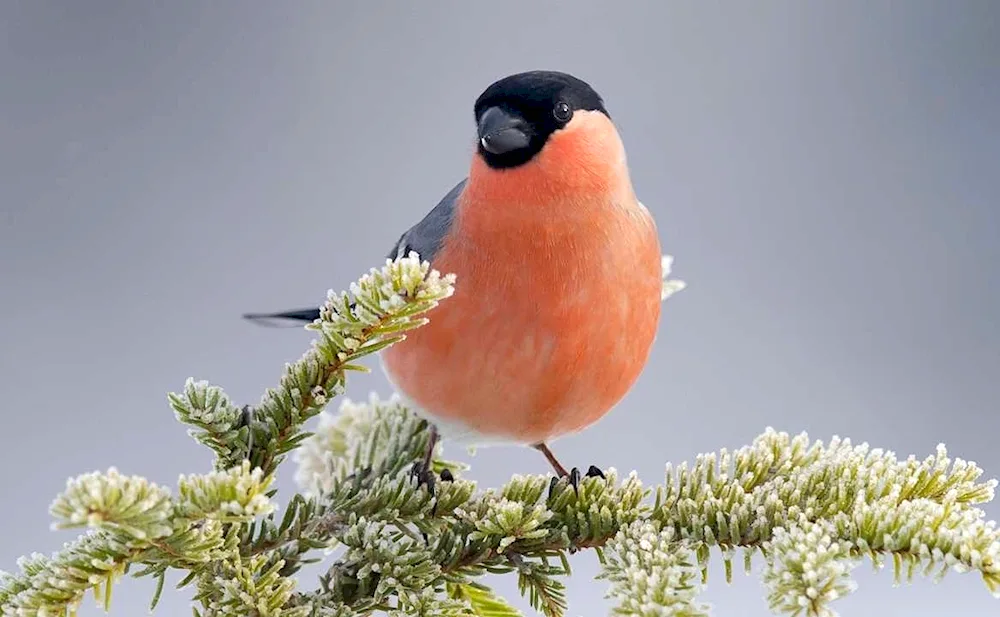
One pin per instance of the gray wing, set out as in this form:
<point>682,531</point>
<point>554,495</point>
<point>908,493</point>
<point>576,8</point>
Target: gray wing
<point>426,236</point>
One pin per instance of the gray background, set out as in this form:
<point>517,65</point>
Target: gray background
<point>826,175</point>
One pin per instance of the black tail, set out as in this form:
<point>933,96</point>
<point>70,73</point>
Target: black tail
<point>285,319</point>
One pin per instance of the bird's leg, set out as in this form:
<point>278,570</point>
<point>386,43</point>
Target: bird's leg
<point>573,475</point>
<point>431,444</point>
<point>551,458</point>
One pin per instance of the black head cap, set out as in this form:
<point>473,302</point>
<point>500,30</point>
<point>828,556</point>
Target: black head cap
<point>517,114</point>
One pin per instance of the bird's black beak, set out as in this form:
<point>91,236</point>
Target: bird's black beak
<point>501,132</point>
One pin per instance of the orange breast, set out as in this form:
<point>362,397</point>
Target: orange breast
<point>555,310</point>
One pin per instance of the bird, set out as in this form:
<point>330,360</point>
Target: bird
<point>559,277</point>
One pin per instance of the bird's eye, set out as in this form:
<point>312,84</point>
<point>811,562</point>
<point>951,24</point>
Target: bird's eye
<point>562,111</point>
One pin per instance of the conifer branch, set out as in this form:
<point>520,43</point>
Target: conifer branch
<point>810,511</point>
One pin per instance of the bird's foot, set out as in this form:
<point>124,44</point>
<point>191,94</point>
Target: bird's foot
<point>573,478</point>
<point>423,469</point>
<point>424,476</point>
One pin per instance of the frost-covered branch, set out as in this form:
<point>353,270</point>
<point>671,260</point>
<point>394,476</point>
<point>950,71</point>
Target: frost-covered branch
<point>132,521</point>
<point>204,529</point>
<point>809,511</point>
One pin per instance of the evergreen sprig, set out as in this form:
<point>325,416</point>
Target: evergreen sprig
<point>132,522</point>
<point>399,547</point>
<point>130,504</point>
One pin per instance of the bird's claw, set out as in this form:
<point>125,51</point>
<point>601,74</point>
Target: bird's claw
<point>574,479</point>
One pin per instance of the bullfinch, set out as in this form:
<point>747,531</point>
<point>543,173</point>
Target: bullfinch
<point>559,276</point>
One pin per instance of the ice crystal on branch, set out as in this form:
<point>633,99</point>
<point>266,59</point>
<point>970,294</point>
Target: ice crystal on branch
<point>237,494</point>
<point>808,569</point>
<point>652,573</point>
